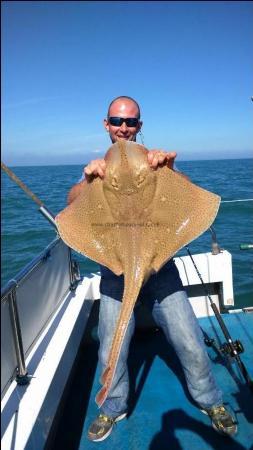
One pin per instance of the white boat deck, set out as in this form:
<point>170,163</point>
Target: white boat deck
<point>28,411</point>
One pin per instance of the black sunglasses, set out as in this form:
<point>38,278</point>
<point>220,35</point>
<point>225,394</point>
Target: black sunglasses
<point>118,121</point>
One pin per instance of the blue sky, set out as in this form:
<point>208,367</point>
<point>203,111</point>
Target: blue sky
<point>188,64</point>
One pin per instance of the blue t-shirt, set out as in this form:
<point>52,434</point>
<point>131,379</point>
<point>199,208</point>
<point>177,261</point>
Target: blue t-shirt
<point>159,285</point>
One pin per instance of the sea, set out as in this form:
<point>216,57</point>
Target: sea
<point>25,232</point>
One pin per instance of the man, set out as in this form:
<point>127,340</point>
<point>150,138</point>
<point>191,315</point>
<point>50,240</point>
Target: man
<point>164,295</point>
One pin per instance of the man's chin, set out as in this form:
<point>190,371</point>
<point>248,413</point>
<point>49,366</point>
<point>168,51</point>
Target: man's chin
<point>123,138</point>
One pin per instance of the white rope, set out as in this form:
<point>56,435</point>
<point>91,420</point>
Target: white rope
<point>233,201</point>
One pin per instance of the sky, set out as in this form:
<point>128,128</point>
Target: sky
<point>188,64</point>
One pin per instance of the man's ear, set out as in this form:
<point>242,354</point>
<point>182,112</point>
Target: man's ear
<point>139,125</point>
<point>106,124</point>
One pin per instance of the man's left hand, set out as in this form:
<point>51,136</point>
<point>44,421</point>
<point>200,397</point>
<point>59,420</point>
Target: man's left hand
<point>161,158</point>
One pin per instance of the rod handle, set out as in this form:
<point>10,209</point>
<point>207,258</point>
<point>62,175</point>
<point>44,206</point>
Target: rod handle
<point>48,215</point>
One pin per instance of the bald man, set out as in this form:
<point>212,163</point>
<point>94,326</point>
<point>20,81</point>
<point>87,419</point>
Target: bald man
<point>163,294</point>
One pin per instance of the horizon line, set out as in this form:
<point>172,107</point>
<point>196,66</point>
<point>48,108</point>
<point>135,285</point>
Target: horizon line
<point>85,164</point>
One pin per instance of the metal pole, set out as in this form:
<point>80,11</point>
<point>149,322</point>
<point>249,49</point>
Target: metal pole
<point>48,215</point>
<point>215,246</point>
<point>22,375</point>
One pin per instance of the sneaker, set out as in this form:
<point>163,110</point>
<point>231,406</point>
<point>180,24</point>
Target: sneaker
<point>222,420</point>
<point>102,427</point>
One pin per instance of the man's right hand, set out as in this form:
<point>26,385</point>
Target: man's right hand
<point>95,168</point>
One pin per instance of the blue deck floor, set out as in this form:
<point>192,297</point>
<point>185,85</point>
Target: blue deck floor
<point>162,415</point>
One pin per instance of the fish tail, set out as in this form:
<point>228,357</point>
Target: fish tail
<point>131,292</point>
<point>101,396</point>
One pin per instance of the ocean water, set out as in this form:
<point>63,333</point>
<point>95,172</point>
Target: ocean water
<point>25,232</point>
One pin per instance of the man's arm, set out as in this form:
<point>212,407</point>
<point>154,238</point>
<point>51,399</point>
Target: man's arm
<point>94,168</point>
<point>75,191</point>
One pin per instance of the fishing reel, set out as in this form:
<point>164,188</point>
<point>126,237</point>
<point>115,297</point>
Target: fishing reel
<point>227,349</point>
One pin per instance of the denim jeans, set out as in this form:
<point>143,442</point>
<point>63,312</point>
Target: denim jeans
<point>174,314</point>
<point>163,294</point>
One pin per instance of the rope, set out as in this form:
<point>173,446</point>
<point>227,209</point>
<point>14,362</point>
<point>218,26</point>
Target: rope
<point>240,200</point>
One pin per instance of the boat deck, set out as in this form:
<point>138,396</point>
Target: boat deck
<point>161,413</point>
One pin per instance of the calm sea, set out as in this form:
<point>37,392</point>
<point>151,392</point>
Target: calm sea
<point>25,232</point>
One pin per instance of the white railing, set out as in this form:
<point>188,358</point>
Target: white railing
<point>27,303</point>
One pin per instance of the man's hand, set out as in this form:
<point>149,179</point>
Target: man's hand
<point>161,158</point>
<point>155,158</point>
<point>95,168</point>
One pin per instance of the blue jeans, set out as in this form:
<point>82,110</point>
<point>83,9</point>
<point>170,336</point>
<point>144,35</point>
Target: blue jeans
<point>175,316</point>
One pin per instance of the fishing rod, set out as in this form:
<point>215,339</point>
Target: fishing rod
<point>42,208</point>
<point>74,270</point>
<point>233,348</point>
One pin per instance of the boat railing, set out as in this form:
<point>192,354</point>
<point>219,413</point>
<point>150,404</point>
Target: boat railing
<point>27,304</point>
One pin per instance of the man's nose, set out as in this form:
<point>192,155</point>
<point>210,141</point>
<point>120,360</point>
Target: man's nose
<point>123,126</point>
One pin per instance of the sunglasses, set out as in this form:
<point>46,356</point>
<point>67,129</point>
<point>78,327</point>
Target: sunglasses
<point>118,121</point>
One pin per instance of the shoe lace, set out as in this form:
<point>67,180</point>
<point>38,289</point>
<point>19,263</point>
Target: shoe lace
<point>103,418</point>
<point>222,417</point>
<point>218,411</point>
